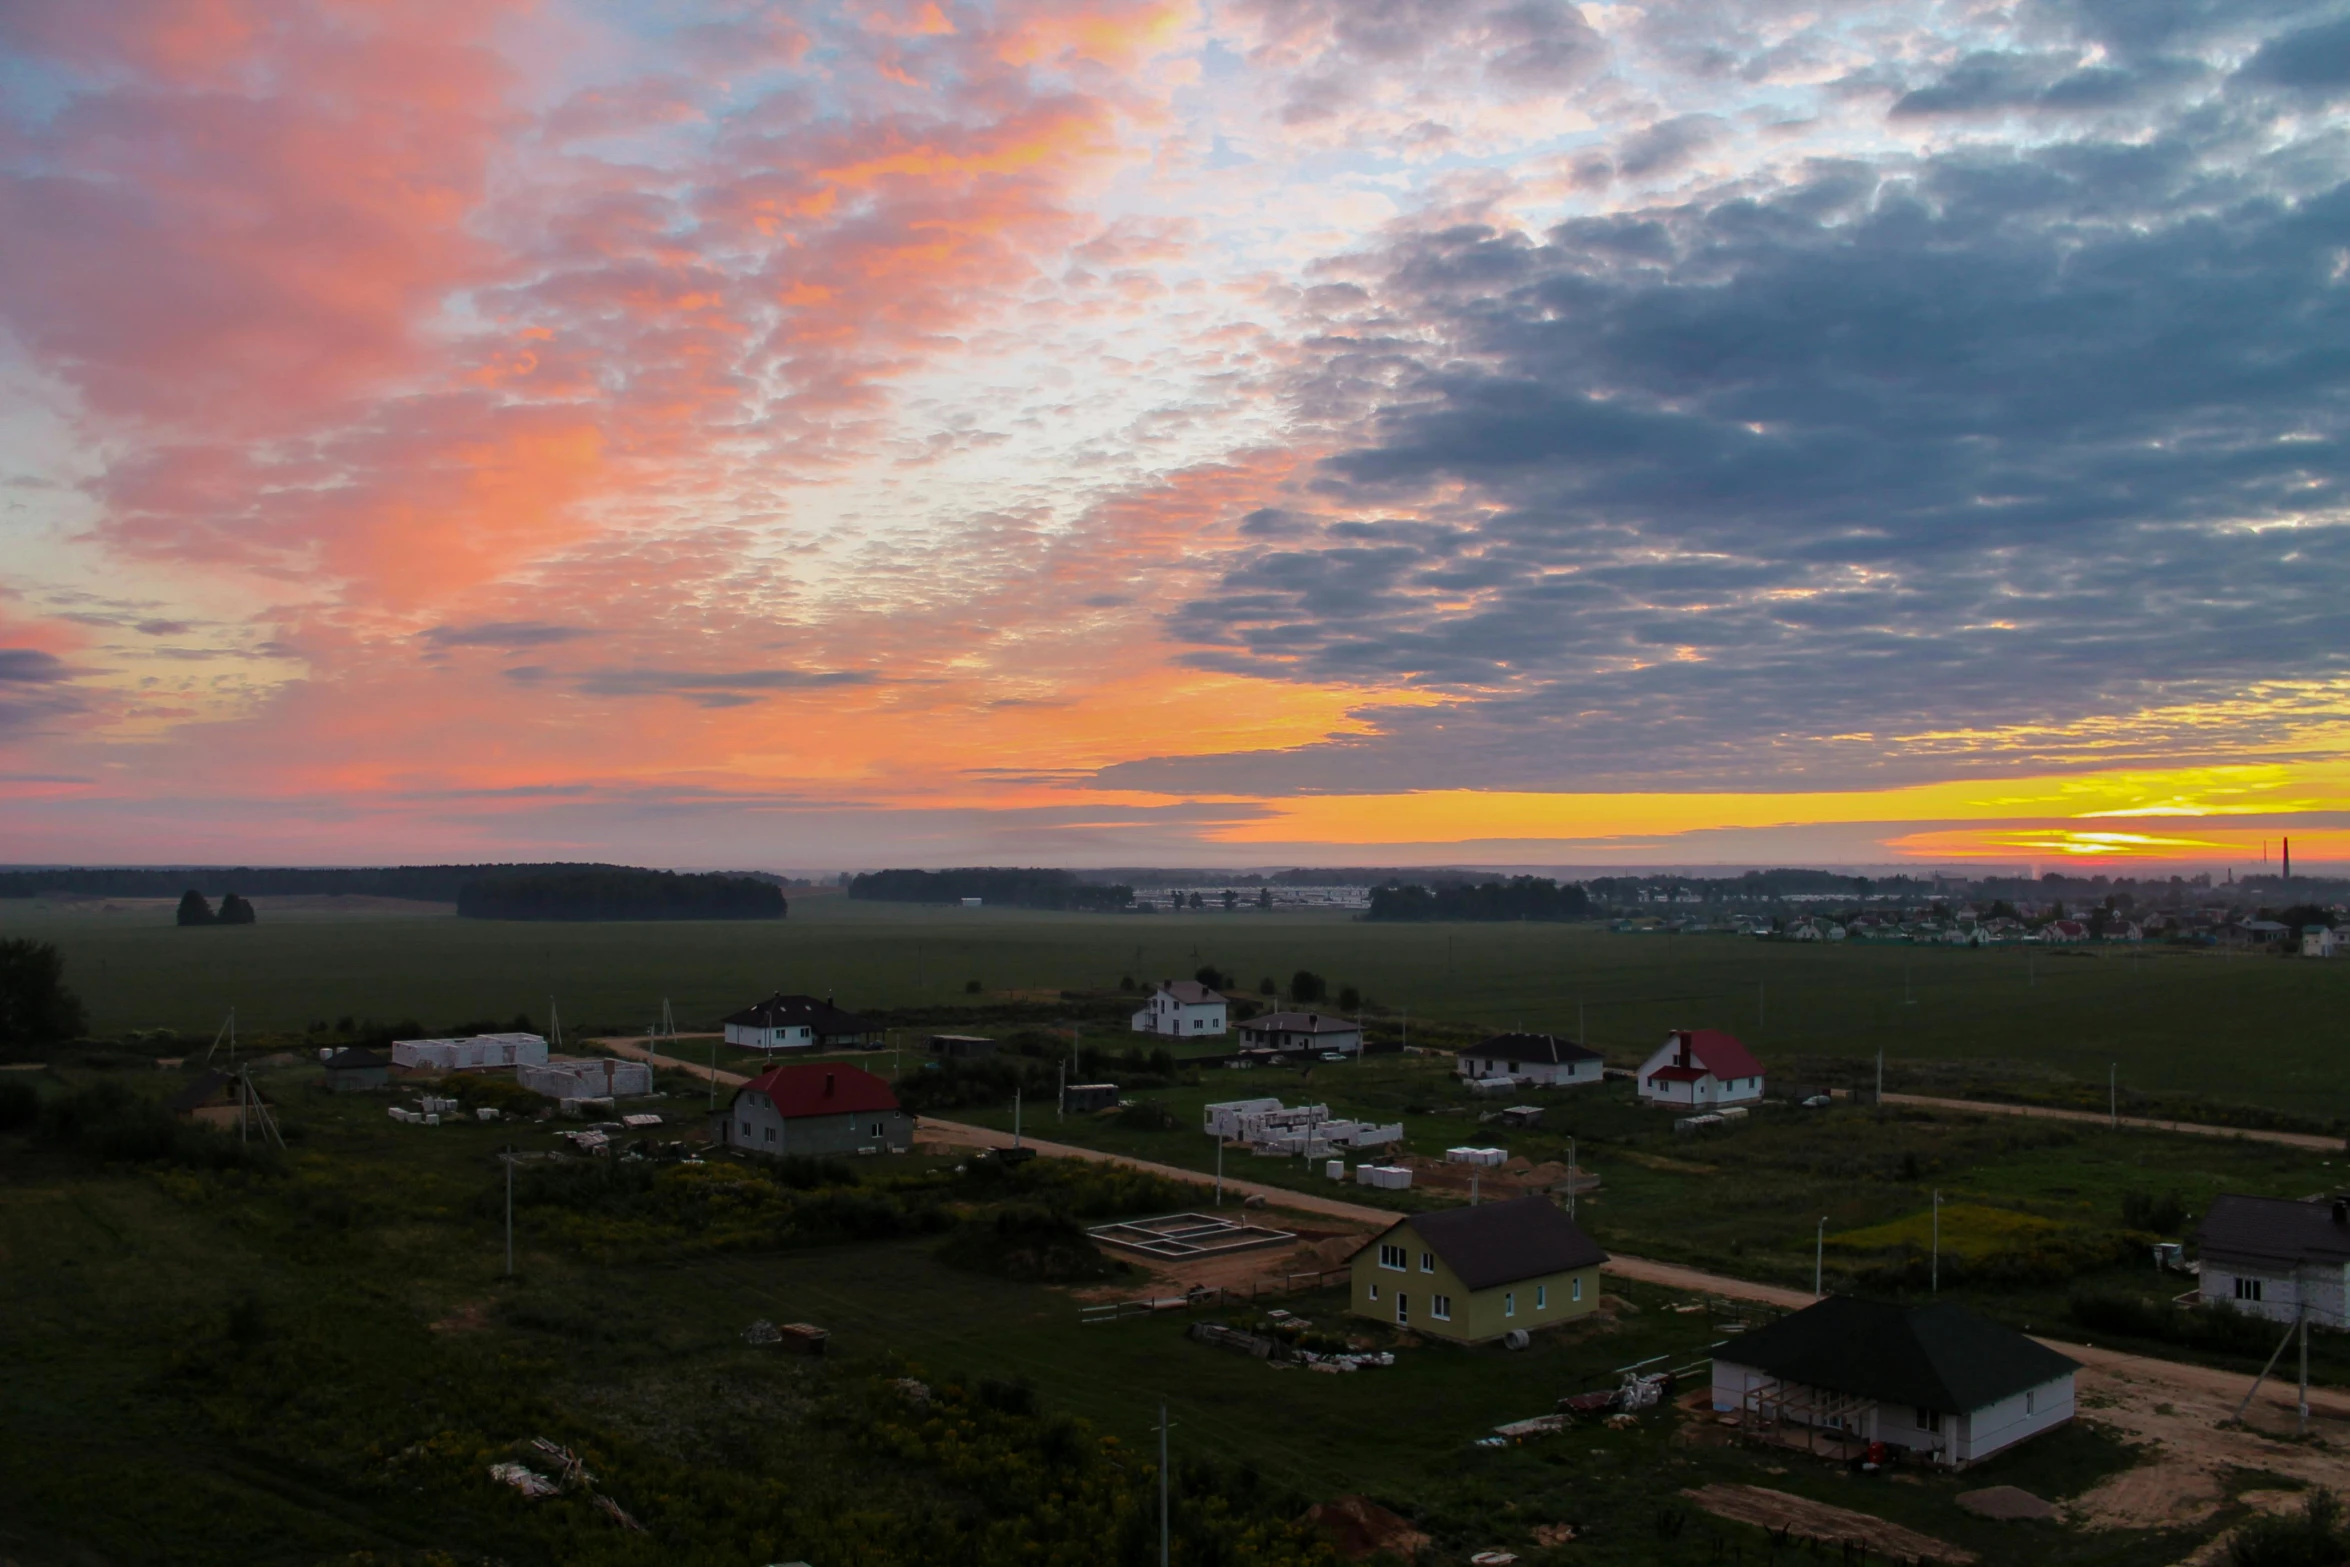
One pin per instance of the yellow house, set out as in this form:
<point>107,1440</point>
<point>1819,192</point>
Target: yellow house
<point>1473,1274</point>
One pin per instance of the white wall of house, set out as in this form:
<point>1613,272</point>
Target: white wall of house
<point>1543,1074</point>
<point>2278,1294</point>
<point>1985,1431</point>
<point>752,1037</point>
<point>1163,1014</point>
<point>1705,1091</point>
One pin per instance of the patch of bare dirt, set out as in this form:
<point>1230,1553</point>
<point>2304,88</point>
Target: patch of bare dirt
<point>2169,1492</point>
<point>1358,1527</point>
<point>1819,1521</point>
<point>471,1317</point>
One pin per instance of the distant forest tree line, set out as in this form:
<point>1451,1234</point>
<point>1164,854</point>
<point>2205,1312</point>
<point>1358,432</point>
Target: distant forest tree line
<point>611,893</point>
<point>1027,889</point>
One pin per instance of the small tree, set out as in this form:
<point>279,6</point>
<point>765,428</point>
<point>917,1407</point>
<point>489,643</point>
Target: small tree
<point>195,908</point>
<point>1211,977</point>
<point>1307,987</point>
<point>1265,898</point>
<point>1231,900</point>
<point>1268,986</point>
<point>35,1006</point>
<point>234,911</point>
<point>1350,999</point>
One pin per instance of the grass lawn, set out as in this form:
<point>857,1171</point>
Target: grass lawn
<point>2237,1030</point>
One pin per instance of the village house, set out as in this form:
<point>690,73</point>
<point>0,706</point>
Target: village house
<point>1470,1275</point>
<point>2319,941</point>
<point>216,1099</point>
<point>814,1108</point>
<point>1698,1067</point>
<point>2272,1256</point>
<point>1541,1060</point>
<point>787,1022</point>
<point>1183,1009</point>
<point>1936,1380</point>
<point>1294,1032</point>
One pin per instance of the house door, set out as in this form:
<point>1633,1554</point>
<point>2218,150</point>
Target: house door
<point>1403,1307</point>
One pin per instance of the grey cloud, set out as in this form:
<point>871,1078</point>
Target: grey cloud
<point>1992,81</point>
<point>504,634</point>
<point>31,666</point>
<point>715,688</point>
<point>1667,146</point>
<point>1732,494</point>
<point>2313,57</point>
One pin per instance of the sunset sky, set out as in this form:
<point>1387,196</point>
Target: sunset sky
<point>1276,431</point>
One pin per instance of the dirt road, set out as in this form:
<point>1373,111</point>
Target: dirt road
<point>2307,1140</point>
<point>637,1050</point>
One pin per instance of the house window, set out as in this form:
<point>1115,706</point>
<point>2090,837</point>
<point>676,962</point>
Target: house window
<point>1541,1297</point>
<point>1931,1419</point>
<point>769,1134</point>
<point>2247,1289</point>
<point>746,1129</point>
<point>877,1128</point>
<point>1575,1289</point>
<point>1440,1307</point>
<point>1393,1257</point>
<point>1403,1308</point>
<point>1427,1262</point>
<point>1509,1303</point>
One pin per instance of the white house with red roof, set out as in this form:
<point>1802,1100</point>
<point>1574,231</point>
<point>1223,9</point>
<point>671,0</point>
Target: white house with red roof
<point>815,1108</point>
<point>1701,1068</point>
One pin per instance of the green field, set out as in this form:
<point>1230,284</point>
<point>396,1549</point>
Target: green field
<point>2257,1032</point>
<point>311,1361</point>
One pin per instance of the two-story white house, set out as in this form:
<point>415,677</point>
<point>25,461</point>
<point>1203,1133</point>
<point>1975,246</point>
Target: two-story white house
<point>1542,1060</point>
<point>1182,1009</point>
<point>2271,1256</point>
<point>1701,1068</point>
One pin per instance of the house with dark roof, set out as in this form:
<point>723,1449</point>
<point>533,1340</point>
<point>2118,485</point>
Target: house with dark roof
<point>814,1108</point>
<point>2272,1256</point>
<point>1474,1274</point>
<point>1183,1009</point>
<point>1701,1067</point>
<point>216,1099</point>
<point>1538,1060</point>
<point>1937,1380</point>
<point>787,1022</point>
<point>1294,1032</point>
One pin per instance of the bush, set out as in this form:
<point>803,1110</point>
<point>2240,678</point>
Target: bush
<point>2215,1331</point>
<point>1307,987</point>
<point>2313,1537</point>
<point>2156,1215</point>
<point>20,1105</point>
<point>1147,1115</point>
<point>108,1122</point>
<point>35,1006</point>
<point>1034,1244</point>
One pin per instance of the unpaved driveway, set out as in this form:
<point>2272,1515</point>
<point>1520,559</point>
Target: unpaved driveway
<point>1820,1521</point>
<point>2304,1140</point>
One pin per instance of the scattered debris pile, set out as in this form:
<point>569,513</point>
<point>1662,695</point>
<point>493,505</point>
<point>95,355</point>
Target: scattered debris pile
<point>1358,1527</point>
<point>570,1475</point>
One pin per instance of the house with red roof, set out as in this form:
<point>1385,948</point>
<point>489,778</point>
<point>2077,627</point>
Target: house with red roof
<point>1701,1068</point>
<point>815,1108</point>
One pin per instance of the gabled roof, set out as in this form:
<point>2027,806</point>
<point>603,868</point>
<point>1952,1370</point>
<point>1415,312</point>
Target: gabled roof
<point>820,1088</point>
<point>782,1011</point>
<point>1301,1023</point>
<point>1190,992</point>
<point>1940,1357</point>
<point>1716,1051</point>
<point>1532,1047</point>
<point>356,1060</point>
<point>1501,1242</point>
<point>2277,1231</point>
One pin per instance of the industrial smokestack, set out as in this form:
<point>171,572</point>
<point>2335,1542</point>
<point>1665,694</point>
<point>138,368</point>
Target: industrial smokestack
<point>2288,859</point>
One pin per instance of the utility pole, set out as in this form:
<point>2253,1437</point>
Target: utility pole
<point>1219,1169</point>
<point>1163,1557</point>
<point>1015,1115</point>
<point>555,1021</point>
<point>1062,1103</point>
<point>714,1070</point>
<point>1880,1074</point>
<point>1762,1011</point>
<point>1936,1287</point>
<point>2301,1428</point>
<point>1819,1255</point>
<point>507,1159</point>
<point>1570,1177</point>
<point>2113,1096</point>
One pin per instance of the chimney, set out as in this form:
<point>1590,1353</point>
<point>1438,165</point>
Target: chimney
<point>828,1085</point>
<point>2288,859</point>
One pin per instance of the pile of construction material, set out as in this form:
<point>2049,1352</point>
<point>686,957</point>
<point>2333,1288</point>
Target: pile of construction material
<point>1484,1158</point>
<point>480,1053</point>
<point>1386,1177</point>
<point>590,1077</point>
<point>1307,1131</point>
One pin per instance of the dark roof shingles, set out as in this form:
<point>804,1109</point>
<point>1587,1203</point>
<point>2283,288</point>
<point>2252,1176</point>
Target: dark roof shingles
<point>1499,1242</point>
<point>1940,1357</point>
<point>2277,1231</point>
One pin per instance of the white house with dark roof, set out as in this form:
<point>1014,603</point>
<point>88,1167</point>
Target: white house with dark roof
<point>1541,1060</point>
<point>1701,1068</point>
<point>2272,1256</point>
<point>1303,1031</point>
<point>1182,1009</point>
<point>1936,1379</point>
<point>789,1022</point>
